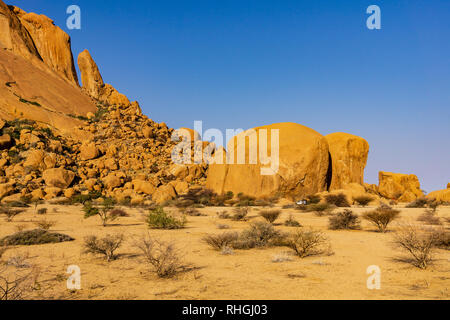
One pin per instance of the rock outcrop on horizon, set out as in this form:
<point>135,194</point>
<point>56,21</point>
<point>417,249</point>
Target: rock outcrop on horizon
<point>440,195</point>
<point>400,187</point>
<point>52,43</point>
<point>303,166</point>
<point>93,82</point>
<point>349,155</point>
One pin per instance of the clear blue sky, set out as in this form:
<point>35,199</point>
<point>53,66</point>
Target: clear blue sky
<point>241,64</point>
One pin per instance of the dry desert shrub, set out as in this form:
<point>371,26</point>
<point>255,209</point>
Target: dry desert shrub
<point>363,201</point>
<point>319,209</point>
<point>106,246</point>
<point>291,222</point>
<point>42,211</point>
<point>16,285</point>
<point>221,241</point>
<point>192,212</point>
<point>20,227</point>
<point>223,215</point>
<point>345,220</point>
<point>418,242</point>
<point>119,213</point>
<point>159,219</point>
<point>259,234</point>
<point>339,200</point>
<point>10,213</point>
<point>309,242</point>
<point>246,201</point>
<point>314,198</point>
<point>381,217</point>
<point>442,238</point>
<point>270,215</point>
<point>45,224</point>
<point>429,217</point>
<point>163,257</point>
<point>240,213</point>
<point>418,203</point>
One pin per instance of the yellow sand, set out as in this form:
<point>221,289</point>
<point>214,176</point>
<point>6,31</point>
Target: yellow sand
<point>249,274</point>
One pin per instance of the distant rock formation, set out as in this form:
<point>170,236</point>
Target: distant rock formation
<point>440,195</point>
<point>349,155</point>
<point>401,187</point>
<point>52,43</point>
<point>93,82</point>
<point>303,166</point>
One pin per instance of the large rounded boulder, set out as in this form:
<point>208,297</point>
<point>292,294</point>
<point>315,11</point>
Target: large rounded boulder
<point>299,169</point>
<point>349,155</point>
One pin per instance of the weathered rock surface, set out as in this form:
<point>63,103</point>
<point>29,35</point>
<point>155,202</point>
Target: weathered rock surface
<point>440,195</point>
<point>90,75</point>
<point>303,166</point>
<point>349,155</point>
<point>402,187</point>
<point>93,82</point>
<point>14,36</point>
<point>52,43</point>
<point>58,177</point>
<point>31,88</point>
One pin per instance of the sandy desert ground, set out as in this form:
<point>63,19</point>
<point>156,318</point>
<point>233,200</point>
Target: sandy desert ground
<point>246,274</point>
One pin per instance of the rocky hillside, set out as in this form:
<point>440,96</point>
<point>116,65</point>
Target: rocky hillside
<point>128,157</point>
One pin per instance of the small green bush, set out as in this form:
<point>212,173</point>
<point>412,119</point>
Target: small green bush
<point>159,219</point>
<point>104,210</point>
